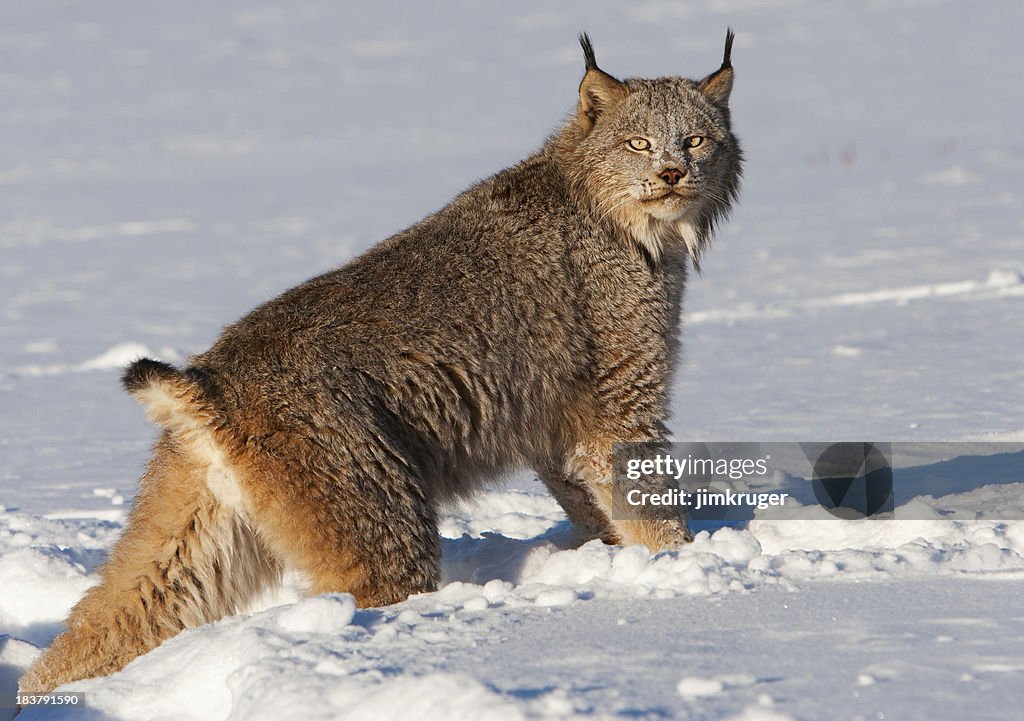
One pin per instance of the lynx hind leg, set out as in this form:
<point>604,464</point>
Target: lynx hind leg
<point>339,503</point>
<point>354,520</point>
<point>591,466</point>
<point>183,560</point>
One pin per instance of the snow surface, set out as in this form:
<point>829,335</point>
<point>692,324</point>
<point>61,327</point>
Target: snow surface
<point>167,167</point>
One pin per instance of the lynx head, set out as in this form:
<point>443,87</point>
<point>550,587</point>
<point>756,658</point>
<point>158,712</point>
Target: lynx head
<point>657,157</point>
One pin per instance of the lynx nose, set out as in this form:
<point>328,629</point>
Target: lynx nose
<point>672,175</point>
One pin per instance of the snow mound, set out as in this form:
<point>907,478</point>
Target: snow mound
<point>324,614</point>
<point>114,358</point>
<point>118,356</point>
<point>805,547</point>
<point>285,663</point>
<point>321,657</point>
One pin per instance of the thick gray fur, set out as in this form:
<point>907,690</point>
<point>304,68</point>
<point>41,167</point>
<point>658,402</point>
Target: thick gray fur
<point>533,321</point>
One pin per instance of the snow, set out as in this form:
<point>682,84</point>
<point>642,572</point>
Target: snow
<point>470,647</point>
<point>166,168</point>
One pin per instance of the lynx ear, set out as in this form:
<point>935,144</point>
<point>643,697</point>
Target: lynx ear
<point>599,91</point>
<point>718,84</point>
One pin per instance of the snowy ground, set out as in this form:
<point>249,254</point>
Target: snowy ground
<point>165,168</point>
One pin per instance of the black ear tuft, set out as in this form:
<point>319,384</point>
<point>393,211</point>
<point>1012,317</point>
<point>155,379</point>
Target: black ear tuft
<point>588,52</point>
<point>718,85</point>
<point>727,60</point>
<point>599,91</point>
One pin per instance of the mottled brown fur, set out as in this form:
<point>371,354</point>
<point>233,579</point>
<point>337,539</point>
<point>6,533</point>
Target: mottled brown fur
<point>533,321</point>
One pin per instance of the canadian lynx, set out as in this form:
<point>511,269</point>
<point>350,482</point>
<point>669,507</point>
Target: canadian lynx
<point>533,321</point>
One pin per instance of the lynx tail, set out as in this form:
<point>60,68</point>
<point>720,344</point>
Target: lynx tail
<point>187,557</point>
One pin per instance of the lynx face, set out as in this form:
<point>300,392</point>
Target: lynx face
<point>659,155</point>
<point>667,148</point>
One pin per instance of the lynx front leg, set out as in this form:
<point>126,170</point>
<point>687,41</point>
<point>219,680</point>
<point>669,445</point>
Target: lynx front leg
<point>183,560</point>
<point>632,347</point>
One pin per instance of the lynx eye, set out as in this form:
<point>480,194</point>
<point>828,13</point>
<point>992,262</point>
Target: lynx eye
<point>639,144</point>
<point>694,140</point>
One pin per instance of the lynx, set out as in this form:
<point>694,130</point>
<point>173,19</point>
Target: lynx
<point>531,322</point>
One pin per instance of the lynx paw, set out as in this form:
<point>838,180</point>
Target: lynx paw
<point>657,535</point>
